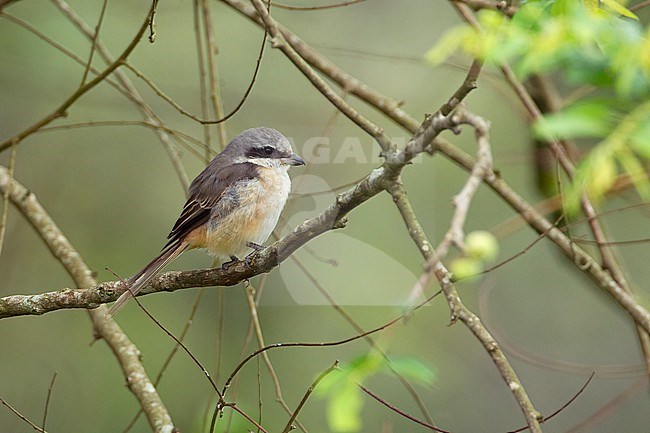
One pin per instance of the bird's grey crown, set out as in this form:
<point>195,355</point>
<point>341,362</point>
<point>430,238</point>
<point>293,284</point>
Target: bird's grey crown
<point>257,138</point>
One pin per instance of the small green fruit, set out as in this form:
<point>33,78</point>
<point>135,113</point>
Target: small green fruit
<point>481,245</point>
<point>465,267</point>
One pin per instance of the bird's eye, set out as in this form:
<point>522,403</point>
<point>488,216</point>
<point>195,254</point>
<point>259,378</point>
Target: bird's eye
<point>268,150</point>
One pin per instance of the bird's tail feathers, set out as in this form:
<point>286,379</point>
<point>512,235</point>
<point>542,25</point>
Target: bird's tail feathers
<point>139,280</point>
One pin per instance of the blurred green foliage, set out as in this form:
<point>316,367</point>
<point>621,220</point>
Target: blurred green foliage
<point>345,397</point>
<point>600,47</point>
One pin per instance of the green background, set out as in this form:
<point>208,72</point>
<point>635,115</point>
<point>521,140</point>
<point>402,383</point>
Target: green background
<point>114,193</point>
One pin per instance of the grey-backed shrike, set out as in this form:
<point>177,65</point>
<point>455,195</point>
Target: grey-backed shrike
<point>233,205</point>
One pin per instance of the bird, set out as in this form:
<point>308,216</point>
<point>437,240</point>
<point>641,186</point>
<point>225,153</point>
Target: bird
<point>233,205</point>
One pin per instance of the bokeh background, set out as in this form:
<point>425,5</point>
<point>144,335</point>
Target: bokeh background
<point>114,193</point>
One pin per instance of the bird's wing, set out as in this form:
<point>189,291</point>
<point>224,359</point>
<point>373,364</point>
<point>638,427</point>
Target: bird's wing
<point>210,190</point>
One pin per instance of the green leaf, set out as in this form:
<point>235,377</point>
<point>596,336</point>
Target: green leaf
<point>618,8</point>
<point>366,365</point>
<point>330,381</point>
<point>344,396</point>
<point>585,68</point>
<point>355,371</point>
<point>594,175</point>
<point>601,174</point>
<point>586,119</point>
<point>640,139</point>
<point>413,369</point>
<point>563,7</point>
<point>446,46</point>
<point>634,168</point>
<point>344,409</point>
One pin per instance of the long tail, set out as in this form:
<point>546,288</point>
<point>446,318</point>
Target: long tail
<point>139,280</point>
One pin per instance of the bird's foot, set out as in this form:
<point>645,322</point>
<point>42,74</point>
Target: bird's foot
<point>226,265</point>
<point>254,246</point>
<point>248,260</point>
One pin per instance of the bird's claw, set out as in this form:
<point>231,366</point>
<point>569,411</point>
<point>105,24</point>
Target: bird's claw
<point>226,265</point>
<point>254,246</point>
<point>248,260</point>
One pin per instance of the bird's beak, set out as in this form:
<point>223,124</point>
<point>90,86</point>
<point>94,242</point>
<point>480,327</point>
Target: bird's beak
<point>294,160</point>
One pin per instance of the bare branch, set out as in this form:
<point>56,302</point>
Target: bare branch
<point>498,5</point>
<point>263,261</point>
<point>60,111</point>
<point>460,312</point>
<point>565,405</point>
<point>279,42</point>
<point>131,91</point>
<point>577,255</point>
<point>365,334</point>
<point>94,42</point>
<point>5,198</point>
<point>257,327</point>
<point>47,400</point>
<point>559,148</point>
<point>462,200</point>
<point>171,354</point>
<point>313,386</point>
<point>348,83</point>
<point>126,352</point>
<point>392,109</point>
<point>213,72</point>
<point>21,416</point>
<point>315,8</point>
<point>401,412</point>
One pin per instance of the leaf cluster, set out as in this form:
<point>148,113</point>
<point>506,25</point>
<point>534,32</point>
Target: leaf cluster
<point>602,51</point>
<point>345,398</point>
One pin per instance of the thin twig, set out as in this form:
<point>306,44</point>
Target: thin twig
<point>463,199</point>
<point>61,110</point>
<point>371,341</point>
<point>5,198</point>
<point>470,83</point>
<point>608,256</point>
<point>565,405</point>
<point>94,42</point>
<point>249,337</point>
<point>602,412</point>
<point>182,345</point>
<point>259,392</point>
<point>279,42</point>
<point>221,117</point>
<point>21,416</point>
<point>130,89</point>
<point>314,8</point>
<point>125,351</point>
<point>460,312</point>
<point>155,125</point>
<point>172,353</point>
<point>245,415</point>
<point>261,350</point>
<point>313,386</point>
<point>353,86</point>
<point>67,52</point>
<point>257,327</point>
<point>399,411</point>
<point>47,400</point>
<point>205,109</point>
<point>640,5</point>
<point>213,72</point>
